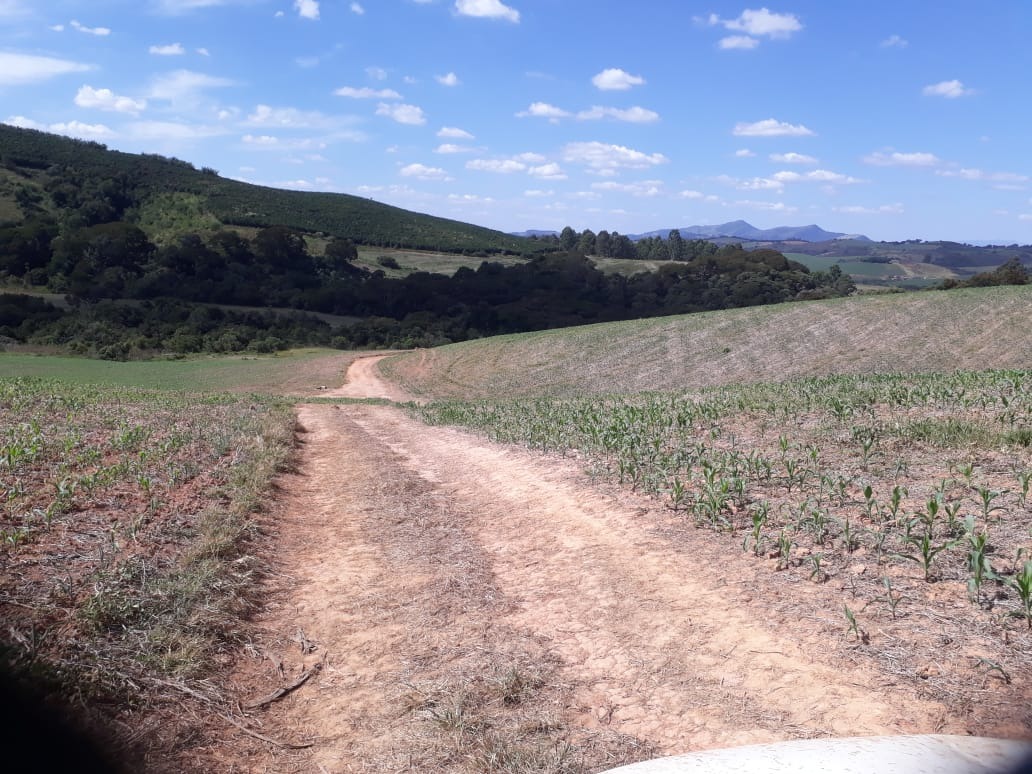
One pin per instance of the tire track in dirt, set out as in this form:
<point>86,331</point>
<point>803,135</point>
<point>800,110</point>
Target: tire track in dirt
<point>413,551</point>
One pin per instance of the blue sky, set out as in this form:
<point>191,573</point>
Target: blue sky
<point>899,120</point>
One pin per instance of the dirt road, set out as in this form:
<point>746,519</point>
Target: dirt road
<point>472,603</point>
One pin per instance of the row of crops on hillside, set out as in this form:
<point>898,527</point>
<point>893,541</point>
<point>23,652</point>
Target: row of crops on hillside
<point>902,486</point>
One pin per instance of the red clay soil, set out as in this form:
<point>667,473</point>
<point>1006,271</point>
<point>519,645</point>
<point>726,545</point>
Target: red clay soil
<point>418,566</point>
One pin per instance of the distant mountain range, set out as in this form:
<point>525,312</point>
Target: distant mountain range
<point>737,229</point>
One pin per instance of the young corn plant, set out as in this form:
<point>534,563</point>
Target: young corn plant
<point>926,551</point>
<point>785,544</point>
<point>817,574</point>
<point>977,561</point>
<point>854,626</point>
<point>1024,480</point>
<point>1022,583</point>
<point>892,598</point>
<point>759,519</point>
<point>987,495</point>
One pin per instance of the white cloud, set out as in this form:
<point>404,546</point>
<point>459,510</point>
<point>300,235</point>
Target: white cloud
<point>451,79</point>
<point>894,41</point>
<point>770,127</point>
<point>99,31</point>
<point>641,189</point>
<point>448,147</point>
<point>744,153</point>
<point>885,209</point>
<point>20,69</point>
<point>376,73</point>
<point>403,114</point>
<point>307,9</point>
<point>896,159</point>
<point>487,9</point>
<point>423,172</point>
<point>356,8</point>
<point>633,115</point>
<point>501,166</point>
<point>816,176</point>
<point>550,171</point>
<point>947,89</point>
<point>183,85</point>
<point>172,49</point>
<point>261,139</point>
<point>530,158</point>
<point>203,52</point>
<point>175,7</point>
<point>978,174</point>
<point>605,157</point>
<point>70,128</point>
<point>535,193</point>
<point>615,79</point>
<point>691,195</point>
<point>53,27</point>
<point>364,92</point>
<point>13,9</point>
<point>751,184</point>
<point>766,206</point>
<point>543,110</point>
<point>792,158</point>
<point>105,99</point>
<point>454,133</point>
<point>738,42</point>
<point>761,23</point>
<point>292,118</point>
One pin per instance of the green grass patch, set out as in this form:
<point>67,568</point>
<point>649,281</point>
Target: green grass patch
<point>293,372</point>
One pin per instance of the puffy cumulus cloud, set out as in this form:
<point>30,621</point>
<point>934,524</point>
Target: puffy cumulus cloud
<point>448,147</point>
<point>203,52</point>
<point>615,79</point>
<point>543,110</point>
<point>530,157</point>
<point>451,79</point>
<point>632,115</point>
<point>760,23</point>
<point>21,69</point>
<point>885,209</point>
<point>292,118</point>
<point>402,113</point>
<point>744,153</point>
<point>172,49</point>
<point>894,41</point>
<point>500,166</point>
<point>737,42</point>
<point>423,172</point>
<point>816,176</point>
<point>770,127</point>
<point>896,159</point>
<point>602,156</point>
<point>99,31</point>
<point>792,158</point>
<point>77,129</point>
<point>551,171</point>
<point>357,9</point>
<point>487,9</point>
<point>948,89</point>
<point>364,92</point>
<point>105,99</point>
<point>454,133</point>
<point>307,9</point>
<point>641,189</point>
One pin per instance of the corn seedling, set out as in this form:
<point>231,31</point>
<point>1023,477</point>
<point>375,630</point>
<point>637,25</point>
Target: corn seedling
<point>816,573</point>
<point>987,495</point>
<point>784,550</point>
<point>1022,583</point>
<point>854,627</point>
<point>927,550</point>
<point>978,563</point>
<point>994,666</point>
<point>849,538</point>
<point>898,493</point>
<point>759,519</point>
<point>1024,479</point>
<point>892,598</point>
<point>967,470</point>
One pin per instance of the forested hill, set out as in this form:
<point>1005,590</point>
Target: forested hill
<point>40,171</point>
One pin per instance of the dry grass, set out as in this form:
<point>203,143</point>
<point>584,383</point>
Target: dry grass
<point>920,332</point>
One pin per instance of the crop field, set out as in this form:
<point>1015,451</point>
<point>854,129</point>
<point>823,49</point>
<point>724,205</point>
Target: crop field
<point>298,372</point>
<point>410,261</point>
<point>927,332</point>
<point>124,532</point>
<point>908,493</point>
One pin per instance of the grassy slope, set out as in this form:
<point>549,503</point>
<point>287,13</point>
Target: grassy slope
<point>925,332</point>
<point>299,372</point>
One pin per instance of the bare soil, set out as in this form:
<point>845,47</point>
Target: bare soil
<point>467,606</point>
